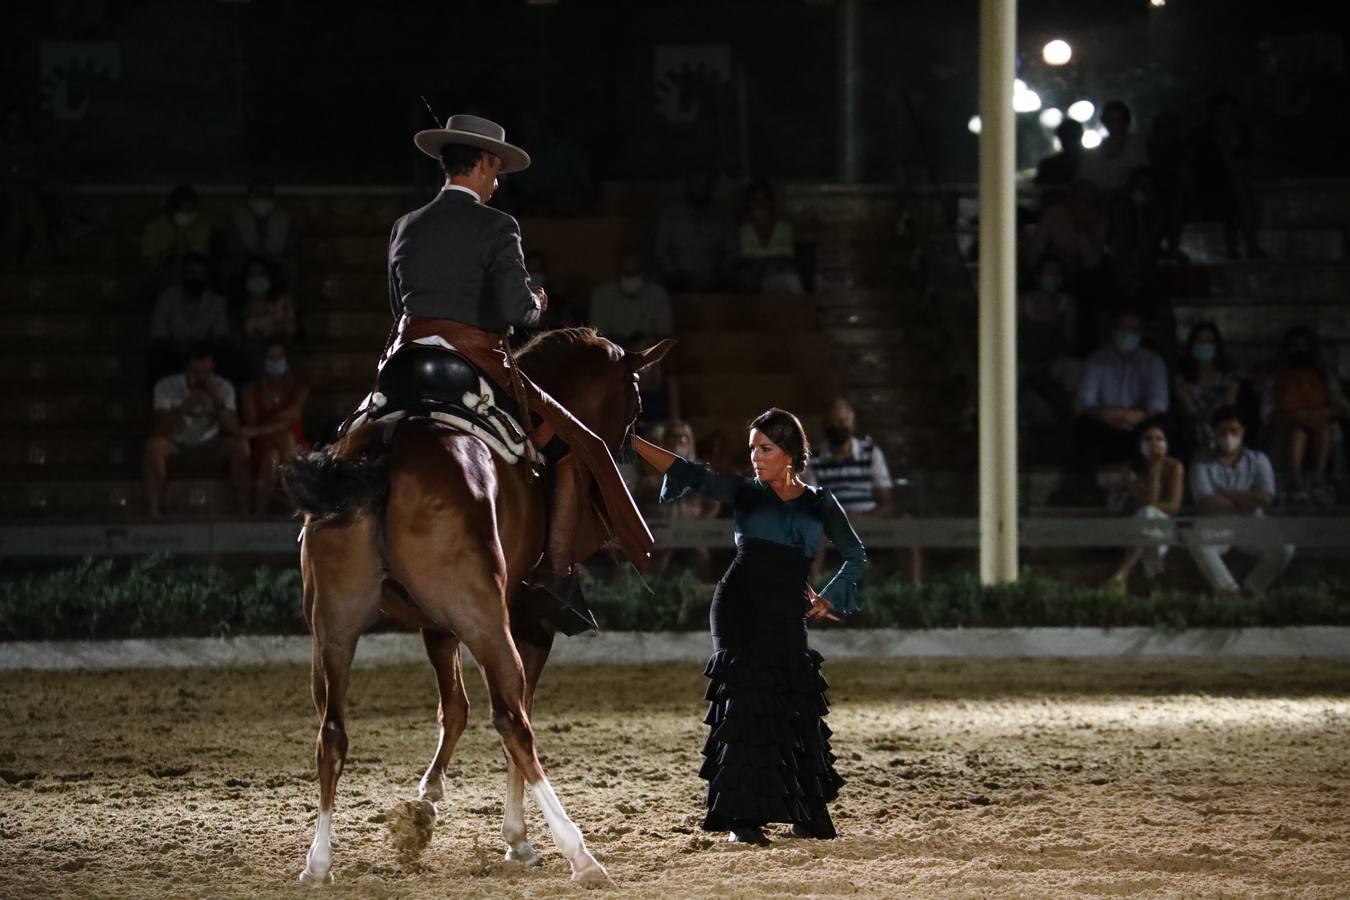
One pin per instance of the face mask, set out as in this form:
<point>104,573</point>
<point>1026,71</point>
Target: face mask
<point>1127,341</point>
<point>184,218</point>
<point>1204,352</point>
<point>1229,443</point>
<point>275,367</point>
<point>630,284</point>
<point>261,206</point>
<point>837,436</point>
<point>1145,449</point>
<point>193,287</point>
<point>257,284</point>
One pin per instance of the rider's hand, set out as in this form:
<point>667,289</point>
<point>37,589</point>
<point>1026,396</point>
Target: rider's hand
<point>820,608</point>
<point>542,298</point>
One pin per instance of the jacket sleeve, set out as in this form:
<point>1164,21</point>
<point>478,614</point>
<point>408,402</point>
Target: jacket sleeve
<point>395,292</point>
<point>842,591</point>
<point>510,282</point>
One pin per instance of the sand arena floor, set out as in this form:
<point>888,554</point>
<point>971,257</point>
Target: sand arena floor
<point>964,778</point>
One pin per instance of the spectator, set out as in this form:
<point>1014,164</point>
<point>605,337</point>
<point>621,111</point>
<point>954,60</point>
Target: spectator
<point>767,245</point>
<point>272,408</point>
<point>695,243</point>
<point>677,437</point>
<point>1204,381</point>
<point>854,469</point>
<point>1046,336</point>
<point>1109,165</point>
<point>1123,385</point>
<point>1305,400</point>
<point>1235,481</point>
<point>26,237</point>
<point>195,423</point>
<point>268,311</point>
<point>181,230</point>
<point>1056,172</point>
<point>1151,487</point>
<point>261,227</point>
<point>1221,151</point>
<point>631,305</point>
<point>186,313</point>
<point>1074,231</point>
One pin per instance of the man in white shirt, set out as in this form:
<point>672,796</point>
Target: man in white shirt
<point>631,305</point>
<point>1235,481</point>
<point>196,422</point>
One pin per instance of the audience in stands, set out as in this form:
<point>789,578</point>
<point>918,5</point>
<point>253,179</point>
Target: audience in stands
<point>695,241</point>
<point>1046,337</point>
<point>1123,385</point>
<point>677,437</point>
<point>25,237</point>
<point>1054,173</point>
<point>1074,230</point>
<point>768,246</point>
<point>1234,481</point>
<point>1151,487</point>
<point>632,304</point>
<point>1204,382</point>
<point>1221,153</point>
<point>196,424</point>
<point>1305,401</point>
<point>1109,165</point>
<point>181,230</point>
<point>262,228</point>
<point>272,409</point>
<point>186,312</point>
<point>268,313</point>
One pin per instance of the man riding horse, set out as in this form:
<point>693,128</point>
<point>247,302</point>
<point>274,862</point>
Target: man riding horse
<point>457,281</point>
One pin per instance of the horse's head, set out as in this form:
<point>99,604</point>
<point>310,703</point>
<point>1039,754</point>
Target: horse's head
<point>595,378</point>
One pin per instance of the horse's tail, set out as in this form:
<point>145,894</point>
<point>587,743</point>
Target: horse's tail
<point>338,480</point>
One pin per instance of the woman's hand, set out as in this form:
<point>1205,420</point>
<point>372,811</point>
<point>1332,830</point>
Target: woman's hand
<point>820,608</point>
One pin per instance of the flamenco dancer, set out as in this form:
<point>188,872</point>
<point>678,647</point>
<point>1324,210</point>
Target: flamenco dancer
<point>767,758</point>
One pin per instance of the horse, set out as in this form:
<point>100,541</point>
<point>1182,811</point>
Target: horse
<point>432,530</point>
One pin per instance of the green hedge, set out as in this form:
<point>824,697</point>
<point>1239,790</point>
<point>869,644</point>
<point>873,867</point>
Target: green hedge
<point>158,597</point>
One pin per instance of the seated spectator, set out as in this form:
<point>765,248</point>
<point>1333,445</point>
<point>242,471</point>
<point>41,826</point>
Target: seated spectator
<point>1304,402</point>
<point>186,312</point>
<point>26,224</point>
<point>1109,165</point>
<point>181,230</point>
<point>631,305</point>
<point>1054,173</point>
<point>768,247</point>
<point>261,227</point>
<point>854,469</point>
<point>677,437</point>
<point>1204,381</point>
<point>1221,152</point>
<point>268,311</point>
<point>272,409</point>
<point>1123,385</point>
<point>695,242</point>
<point>1151,487</point>
<point>1046,336</point>
<point>1235,481</point>
<point>196,423</point>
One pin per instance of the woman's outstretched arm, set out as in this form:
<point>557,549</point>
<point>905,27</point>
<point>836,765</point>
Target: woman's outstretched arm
<point>659,459</point>
<point>683,476</point>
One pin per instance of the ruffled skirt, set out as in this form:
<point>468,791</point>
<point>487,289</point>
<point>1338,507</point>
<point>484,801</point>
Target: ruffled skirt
<point>767,757</point>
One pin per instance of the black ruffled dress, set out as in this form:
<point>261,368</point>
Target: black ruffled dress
<point>767,758</point>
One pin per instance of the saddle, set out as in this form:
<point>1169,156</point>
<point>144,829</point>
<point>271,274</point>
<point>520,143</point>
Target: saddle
<point>427,378</point>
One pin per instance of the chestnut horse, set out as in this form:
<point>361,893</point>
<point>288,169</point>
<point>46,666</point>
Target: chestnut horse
<point>434,531</point>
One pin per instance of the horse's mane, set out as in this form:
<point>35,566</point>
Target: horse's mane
<point>549,351</point>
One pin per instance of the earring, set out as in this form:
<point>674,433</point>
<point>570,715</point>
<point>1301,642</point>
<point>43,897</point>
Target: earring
<point>787,478</point>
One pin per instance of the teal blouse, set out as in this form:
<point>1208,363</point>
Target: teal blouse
<point>761,514</point>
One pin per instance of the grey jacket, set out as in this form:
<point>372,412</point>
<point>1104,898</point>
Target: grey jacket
<point>456,258</point>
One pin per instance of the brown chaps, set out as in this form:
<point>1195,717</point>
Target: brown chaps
<point>579,525</point>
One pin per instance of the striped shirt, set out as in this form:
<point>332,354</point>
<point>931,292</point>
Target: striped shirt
<point>854,477</point>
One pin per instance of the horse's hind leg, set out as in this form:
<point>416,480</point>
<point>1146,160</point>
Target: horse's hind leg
<point>443,650</point>
<point>534,650</point>
<point>342,575</point>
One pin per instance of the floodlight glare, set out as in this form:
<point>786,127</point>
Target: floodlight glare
<point>1051,117</point>
<point>1057,52</point>
<point>1026,102</point>
<point>1092,139</point>
<point>974,125</point>
<point>1081,110</point>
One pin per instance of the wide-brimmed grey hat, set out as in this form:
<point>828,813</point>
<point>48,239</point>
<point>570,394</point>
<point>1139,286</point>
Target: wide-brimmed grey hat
<point>473,131</point>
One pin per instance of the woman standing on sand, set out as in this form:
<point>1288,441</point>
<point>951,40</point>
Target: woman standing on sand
<point>768,756</point>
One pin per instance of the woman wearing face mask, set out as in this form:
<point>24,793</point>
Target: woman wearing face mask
<point>767,758</point>
<point>1305,401</point>
<point>269,313</point>
<point>272,410</point>
<point>1151,488</point>
<point>1204,382</point>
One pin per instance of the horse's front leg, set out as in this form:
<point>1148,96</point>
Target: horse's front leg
<point>533,645</point>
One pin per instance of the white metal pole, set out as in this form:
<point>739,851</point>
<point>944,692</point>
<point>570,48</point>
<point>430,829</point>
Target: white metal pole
<point>998,321</point>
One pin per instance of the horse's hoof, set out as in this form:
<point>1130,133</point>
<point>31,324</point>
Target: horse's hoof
<point>591,873</point>
<point>314,879</point>
<point>524,856</point>
<point>431,790</point>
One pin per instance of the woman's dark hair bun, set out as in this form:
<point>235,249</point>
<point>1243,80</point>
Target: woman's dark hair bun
<point>785,430</point>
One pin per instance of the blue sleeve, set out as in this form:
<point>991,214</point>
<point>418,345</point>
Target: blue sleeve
<point>1201,486</point>
<point>684,476</point>
<point>1264,475</point>
<point>842,591</point>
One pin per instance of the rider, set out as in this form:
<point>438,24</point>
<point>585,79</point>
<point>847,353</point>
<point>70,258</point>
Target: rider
<point>456,271</point>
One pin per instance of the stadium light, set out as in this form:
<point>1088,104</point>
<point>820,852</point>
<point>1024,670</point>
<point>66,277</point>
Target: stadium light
<point>1057,52</point>
<point>974,125</point>
<point>1051,117</point>
<point>1081,110</point>
<point>1092,139</point>
<point>1026,102</point>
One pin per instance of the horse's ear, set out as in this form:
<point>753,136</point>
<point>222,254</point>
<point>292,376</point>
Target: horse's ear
<point>641,359</point>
